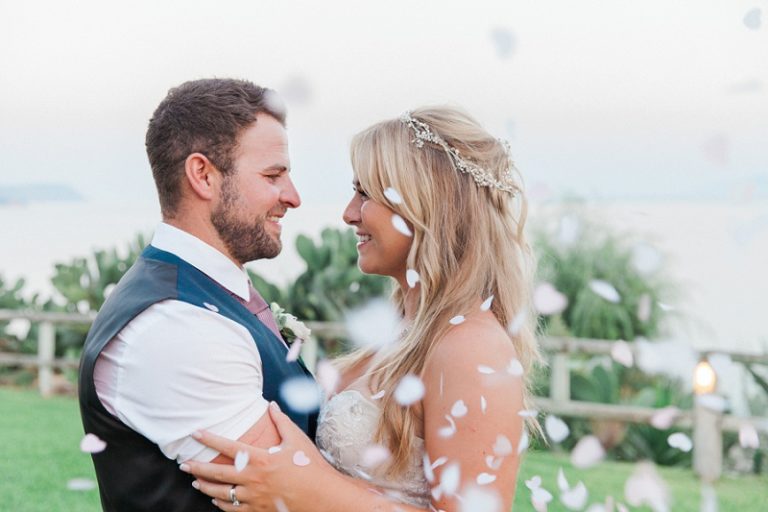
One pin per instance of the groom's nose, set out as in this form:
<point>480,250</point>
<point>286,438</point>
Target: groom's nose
<point>289,196</point>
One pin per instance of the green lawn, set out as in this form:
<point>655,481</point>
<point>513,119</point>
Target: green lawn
<point>40,441</point>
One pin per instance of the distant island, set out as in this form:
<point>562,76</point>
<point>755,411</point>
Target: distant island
<point>25,194</point>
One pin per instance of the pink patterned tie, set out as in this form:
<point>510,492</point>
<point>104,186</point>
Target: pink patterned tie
<point>259,307</point>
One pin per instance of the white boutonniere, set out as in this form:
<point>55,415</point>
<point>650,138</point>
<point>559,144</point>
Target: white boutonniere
<point>290,327</point>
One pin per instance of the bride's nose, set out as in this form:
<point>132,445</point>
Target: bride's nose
<point>352,211</point>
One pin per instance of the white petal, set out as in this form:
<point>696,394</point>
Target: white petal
<point>446,432</point>
<point>19,327</point>
<point>503,446</point>
<point>515,368</point>
<point>664,418</point>
<point>524,441</point>
<point>293,351</point>
<point>517,322</point>
<point>556,429</point>
<point>541,495</point>
<point>399,223</point>
<point>450,478</point>
<point>428,473</point>
<point>409,390</point>
<point>680,441</point>
<point>605,290</point>
<point>528,413</point>
<point>483,404</point>
<point>547,300</point>
<point>486,305</point>
<point>393,196</point>
<point>213,308</point>
<point>456,320</point>
<point>533,483</point>
<point>378,395</point>
<point>646,259</point>
<point>622,353</point>
<point>300,458</point>
<point>576,498</point>
<point>374,325</point>
<point>412,277</point>
<point>485,478</point>
<point>645,487</point>
<point>91,443</point>
<point>274,449</point>
<point>486,370</point>
<point>81,484</point>
<point>241,460</point>
<point>748,437</point>
<point>374,455</point>
<point>280,505</point>
<point>301,394</point>
<point>562,483</point>
<point>493,463</point>
<point>587,452</point>
<point>459,409</point>
<point>480,500</point>
<point>328,376</point>
<point>752,19</point>
<point>439,462</point>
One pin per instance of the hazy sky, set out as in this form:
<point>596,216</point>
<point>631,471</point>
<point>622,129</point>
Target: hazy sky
<point>606,99</point>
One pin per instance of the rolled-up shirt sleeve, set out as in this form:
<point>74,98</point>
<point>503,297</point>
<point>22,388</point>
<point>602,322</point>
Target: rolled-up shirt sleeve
<point>183,368</point>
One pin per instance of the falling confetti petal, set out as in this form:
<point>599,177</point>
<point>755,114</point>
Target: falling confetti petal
<point>549,301</point>
<point>296,90</point>
<point>378,395</point>
<point>327,376</point>
<point>374,455</point>
<point>486,305</point>
<point>540,498</point>
<point>486,370</point>
<point>664,418</point>
<point>18,327</point>
<point>556,429</point>
<point>450,478</point>
<point>533,483</point>
<point>301,394</point>
<point>375,325</point>
<point>515,368</point>
<point>280,505</point>
<point>459,409</point>
<point>587,452</point>
<point>458,319</point>
<point>562,482</point>
<point>752,20</point>
<point>393,195</point>
<point>439,462</point>
<point>503,446</point>
<point>483,500</point>
<point>503,41</point>
<point>241,460</point>
<point>645,487</point>
<point>81,484</point>
<point>409,390</point>
<point>429,474</point>
<point>300,458</point>
<point>605,290</point>
<point>400,225</point>
<point>485,478</point>
<point>621,352</point>
<point>274,449</point>
<point>748,437</point>
<point>517,323</point>
<point>412,277</point>
<point>528,413</point>
<point>446,432</point>
<point>493,462</point>
<point>483,404</point>
<point>524,441</point>
<point>680,441</point>
<point>644,307</point>
<point>92,444</point>
<point>293,352</point>
<point>213,308</point>
<point>576,498</point>
<point>646,259</point>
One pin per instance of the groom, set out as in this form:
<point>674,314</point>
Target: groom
<point>185,342</point>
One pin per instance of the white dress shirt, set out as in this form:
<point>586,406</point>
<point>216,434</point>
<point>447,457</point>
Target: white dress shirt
<point>177,368</point>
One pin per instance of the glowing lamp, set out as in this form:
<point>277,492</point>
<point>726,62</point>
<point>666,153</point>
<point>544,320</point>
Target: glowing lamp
<point>704,378</point>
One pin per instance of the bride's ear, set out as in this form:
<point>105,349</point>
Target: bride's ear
<point>202,176</point>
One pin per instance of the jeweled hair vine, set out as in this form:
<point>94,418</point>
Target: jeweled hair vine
<point>482,177</point>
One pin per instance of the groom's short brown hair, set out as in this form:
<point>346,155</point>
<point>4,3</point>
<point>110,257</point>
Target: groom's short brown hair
<point>201,116</point>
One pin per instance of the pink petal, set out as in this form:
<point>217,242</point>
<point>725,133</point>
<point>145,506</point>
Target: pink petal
<point>547,300</point>
<point>587,452</point>
<point>300,458</point>
<point>92,444</point>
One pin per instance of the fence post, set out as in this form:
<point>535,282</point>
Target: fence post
<point>707,443</point>
<point>46,349</point>
<point>559,378</point>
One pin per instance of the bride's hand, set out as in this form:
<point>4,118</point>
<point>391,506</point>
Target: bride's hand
<point>275,479</point>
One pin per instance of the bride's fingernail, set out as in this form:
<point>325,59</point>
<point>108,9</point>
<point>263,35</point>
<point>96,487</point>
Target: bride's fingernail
<point>197,434</point>
<point>215,503</point>
<point>184,467</point>
<point>274,406</point>
<point>196,485</point>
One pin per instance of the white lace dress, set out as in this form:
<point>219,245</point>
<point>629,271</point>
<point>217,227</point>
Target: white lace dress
<point>346,427</point>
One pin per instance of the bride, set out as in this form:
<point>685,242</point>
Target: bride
<point>432,420</point>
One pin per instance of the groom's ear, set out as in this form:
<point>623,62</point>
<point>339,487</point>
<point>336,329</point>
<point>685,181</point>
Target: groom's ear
<point>203,177</point>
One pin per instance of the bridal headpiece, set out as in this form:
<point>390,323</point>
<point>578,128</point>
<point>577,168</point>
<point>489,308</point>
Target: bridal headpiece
<point>482,177</point>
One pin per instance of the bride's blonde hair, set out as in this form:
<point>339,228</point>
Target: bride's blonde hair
<point>468,243</point>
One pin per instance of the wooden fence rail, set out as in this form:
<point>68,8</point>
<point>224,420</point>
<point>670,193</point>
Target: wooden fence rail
<point>706,424</point>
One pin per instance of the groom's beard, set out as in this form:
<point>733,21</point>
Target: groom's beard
<point>245,240</point>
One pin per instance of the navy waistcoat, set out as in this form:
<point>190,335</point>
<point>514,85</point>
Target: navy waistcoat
<point>132,472</point>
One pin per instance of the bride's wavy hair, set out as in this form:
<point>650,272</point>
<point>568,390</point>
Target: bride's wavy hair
<point>468,244</point>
